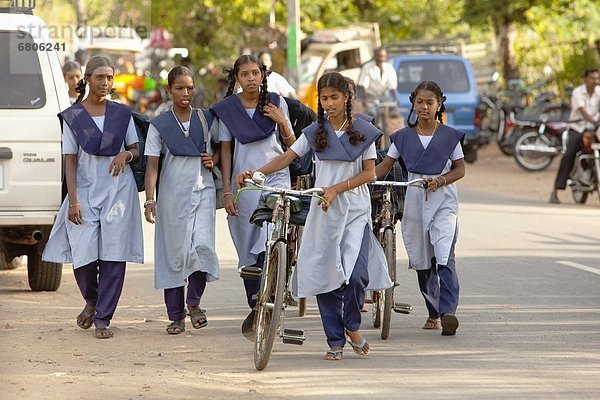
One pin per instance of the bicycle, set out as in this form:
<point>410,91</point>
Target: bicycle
<point>383,109</point>
<point>383,300</point>
<point>277,269</point>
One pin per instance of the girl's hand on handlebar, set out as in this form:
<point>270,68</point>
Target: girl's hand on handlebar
<point>240,178</point>
<point>433,184</point>
<point>329,194</point>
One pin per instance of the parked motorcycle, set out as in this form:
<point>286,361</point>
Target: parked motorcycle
<point>585,176</point>
<point>540,140</point>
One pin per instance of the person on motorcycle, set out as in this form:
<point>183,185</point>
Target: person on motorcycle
<point>585,107</point>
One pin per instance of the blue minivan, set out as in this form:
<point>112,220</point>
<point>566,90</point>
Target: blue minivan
<point>456,78</point>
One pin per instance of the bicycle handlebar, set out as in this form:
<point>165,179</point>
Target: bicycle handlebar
<point>314,192</point>
<point>419,182</point>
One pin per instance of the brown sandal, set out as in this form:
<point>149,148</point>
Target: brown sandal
<point>198,317</point>
<point>432,323</point>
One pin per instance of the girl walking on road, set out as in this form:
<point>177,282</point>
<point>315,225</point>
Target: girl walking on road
<point>433,151</point>
<point>339,257</point>
<point>184,212</point>
<point>253,128</point>
<point>98,228</point>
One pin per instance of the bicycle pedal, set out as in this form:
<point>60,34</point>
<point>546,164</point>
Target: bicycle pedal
<point>298,342</point>
<point>293,336</point>
<point>296,332</point>
<point>252,273</point>
<point>402,308</point>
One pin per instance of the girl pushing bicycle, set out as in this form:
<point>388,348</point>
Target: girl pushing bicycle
<point>331,264</point>
<point>431,150</point>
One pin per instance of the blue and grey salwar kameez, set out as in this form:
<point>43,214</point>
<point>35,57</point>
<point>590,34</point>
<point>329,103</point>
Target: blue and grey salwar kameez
<point>111,232</point>
<point>430,220</point>
<point>184,240</point>
<point>339,257</point>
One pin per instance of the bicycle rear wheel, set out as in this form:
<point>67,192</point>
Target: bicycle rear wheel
<point>270,305</point>
<point>389,248</point>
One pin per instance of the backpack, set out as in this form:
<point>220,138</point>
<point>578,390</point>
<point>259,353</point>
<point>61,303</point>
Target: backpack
<point>142,123</point>
<point>301,116</point>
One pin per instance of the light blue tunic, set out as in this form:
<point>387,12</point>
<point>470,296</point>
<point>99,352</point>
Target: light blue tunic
<point>249,239</point>
<point>112,224</point>
<point>331,240</point>
<point>184,239</point>
<point>429,226</point>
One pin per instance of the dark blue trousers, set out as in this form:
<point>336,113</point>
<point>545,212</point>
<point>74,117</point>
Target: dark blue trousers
<point>252,286</point>
<point>439,286</point>
<point>340,308</point>
<point>101,283</point>
<point>174,297</point>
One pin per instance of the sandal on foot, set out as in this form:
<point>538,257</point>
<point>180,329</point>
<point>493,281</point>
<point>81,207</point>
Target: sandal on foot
<point>334,355</point>
<point>103,332</point>
<point>432,323</point>
<point>85,319</point>
<point>449,325</point>
<point>176,327</point>
<point>359,348</point>
<point>198,317</point>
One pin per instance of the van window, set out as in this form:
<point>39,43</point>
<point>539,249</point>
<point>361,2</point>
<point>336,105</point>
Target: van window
<point>451,75</point>
<point>20,73</point>
<point>348,59</point>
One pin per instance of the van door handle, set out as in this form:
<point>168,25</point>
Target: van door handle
<point>5,153</point>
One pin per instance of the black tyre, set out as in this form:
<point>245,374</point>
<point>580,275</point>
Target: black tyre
<point>389,248</point>
<point>270,305</point>
<point>42,276</point>
<point>530,159</point>
<point>377,299</point>
<point>579,196</point>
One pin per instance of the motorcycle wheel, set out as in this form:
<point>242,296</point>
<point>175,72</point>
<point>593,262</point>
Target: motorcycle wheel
<point>506,141</point>
<point>529,160</point>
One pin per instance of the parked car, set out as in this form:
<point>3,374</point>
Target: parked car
<point>457,80</point>
<point>32,92</point>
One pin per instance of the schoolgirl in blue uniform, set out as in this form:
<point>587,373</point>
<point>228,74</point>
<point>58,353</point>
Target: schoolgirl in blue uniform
<point>253,127</point>
<point>184,240</point>
<point>339,257</point>
<point>98,228</point>
<point>429,226</point>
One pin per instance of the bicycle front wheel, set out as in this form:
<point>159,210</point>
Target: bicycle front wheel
<point>270,305</point>
<point>389,248</point>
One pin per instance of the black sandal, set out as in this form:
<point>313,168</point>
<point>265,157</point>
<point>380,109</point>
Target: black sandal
<point>176,327</point>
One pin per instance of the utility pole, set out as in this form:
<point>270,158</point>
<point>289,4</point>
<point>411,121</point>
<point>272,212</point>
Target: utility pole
<point>293,41</point>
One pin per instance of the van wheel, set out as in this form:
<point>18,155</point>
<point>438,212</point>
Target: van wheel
<point>43,276</point>
<point>470,155</point>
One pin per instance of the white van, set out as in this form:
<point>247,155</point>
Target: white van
<point>32,93</point>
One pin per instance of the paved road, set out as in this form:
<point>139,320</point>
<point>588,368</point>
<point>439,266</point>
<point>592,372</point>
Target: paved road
<point>529,313</point>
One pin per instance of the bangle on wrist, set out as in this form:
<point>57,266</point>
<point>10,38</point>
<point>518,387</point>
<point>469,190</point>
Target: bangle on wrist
<point>73,205</point>
<point>287,137</point>
<point>444,178</point>
<point>149,202</point>
<point>348,184</point>
<point>227,194</point>
<point>131,154</point>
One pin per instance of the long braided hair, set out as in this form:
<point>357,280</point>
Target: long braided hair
<point>263,96</point>
<point>336,81</point>
<point>92,64</point>
<point>432,87</point>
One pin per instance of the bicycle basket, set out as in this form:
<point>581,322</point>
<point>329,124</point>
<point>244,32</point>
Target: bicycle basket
<point>264,210</point>
<point>396,174</point>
